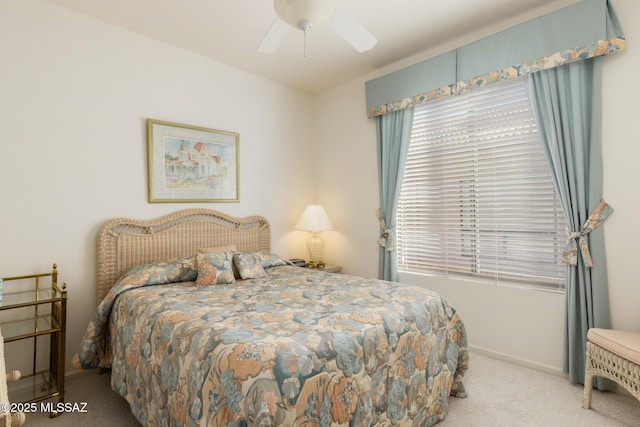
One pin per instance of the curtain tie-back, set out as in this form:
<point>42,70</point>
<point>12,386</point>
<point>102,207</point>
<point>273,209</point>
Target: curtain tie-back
<point>387,236</point>
<point>576,239</point>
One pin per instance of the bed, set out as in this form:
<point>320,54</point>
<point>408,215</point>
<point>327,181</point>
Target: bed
<point>254,340</point>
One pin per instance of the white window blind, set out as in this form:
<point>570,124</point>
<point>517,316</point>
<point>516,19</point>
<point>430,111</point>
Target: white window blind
<point>477,196</point>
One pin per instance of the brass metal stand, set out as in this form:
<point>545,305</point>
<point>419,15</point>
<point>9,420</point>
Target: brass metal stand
<point>46,314</point>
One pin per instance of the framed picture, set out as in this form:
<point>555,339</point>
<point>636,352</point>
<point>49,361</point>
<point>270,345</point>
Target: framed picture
<point>191,164</point>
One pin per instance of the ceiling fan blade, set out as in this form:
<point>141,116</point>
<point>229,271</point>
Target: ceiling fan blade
<point>274,37</point>
<point>352,31</point>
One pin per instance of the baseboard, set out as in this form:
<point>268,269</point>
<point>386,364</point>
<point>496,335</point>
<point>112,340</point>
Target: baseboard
<point>518,361</point>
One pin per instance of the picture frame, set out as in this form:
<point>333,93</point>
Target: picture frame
<point>191,163</point>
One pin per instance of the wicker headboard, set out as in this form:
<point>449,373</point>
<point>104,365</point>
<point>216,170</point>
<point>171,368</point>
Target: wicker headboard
<point>124,242</point>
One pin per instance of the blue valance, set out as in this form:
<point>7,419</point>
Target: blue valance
<point>584,30</point>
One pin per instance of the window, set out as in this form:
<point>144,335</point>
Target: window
<point>477,197</point>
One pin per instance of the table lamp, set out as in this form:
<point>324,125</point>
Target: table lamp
<point>315,220</point>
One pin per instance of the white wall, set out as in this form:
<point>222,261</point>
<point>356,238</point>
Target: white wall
<point>517,323</point>
<point>75,94</point>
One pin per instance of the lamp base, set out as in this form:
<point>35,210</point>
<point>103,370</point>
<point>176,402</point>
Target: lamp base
<point>314,246</point>
<point>317,264</point>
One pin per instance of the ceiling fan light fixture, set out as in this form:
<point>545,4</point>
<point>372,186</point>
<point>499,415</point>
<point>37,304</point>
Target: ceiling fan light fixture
<point>303,14</point>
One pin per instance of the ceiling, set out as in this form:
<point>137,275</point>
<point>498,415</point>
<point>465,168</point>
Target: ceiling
<point>229,31</point>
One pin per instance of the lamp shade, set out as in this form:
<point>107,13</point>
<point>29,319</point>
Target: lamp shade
<point>314,218</point>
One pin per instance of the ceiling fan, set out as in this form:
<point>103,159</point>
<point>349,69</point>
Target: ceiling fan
<point>305,14</point>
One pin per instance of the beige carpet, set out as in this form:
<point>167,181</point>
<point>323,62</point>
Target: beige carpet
<point>500,394</point>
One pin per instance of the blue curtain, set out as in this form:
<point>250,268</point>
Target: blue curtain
<point>393,134</point>
<point>567,102</point>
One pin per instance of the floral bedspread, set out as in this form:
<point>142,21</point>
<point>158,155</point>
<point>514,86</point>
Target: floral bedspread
<point>296,348</point>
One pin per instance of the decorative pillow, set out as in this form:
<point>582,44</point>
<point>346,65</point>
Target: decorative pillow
<point>161,272</point>
<point>248,265</point>
<point>268,259</point>
<point>214,269</point>
<point>221,249</point>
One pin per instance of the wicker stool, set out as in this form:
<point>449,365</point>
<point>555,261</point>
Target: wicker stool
<point>614,355</point>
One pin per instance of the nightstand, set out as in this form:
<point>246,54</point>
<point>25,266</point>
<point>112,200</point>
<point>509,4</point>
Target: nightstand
<point>329,268</point>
